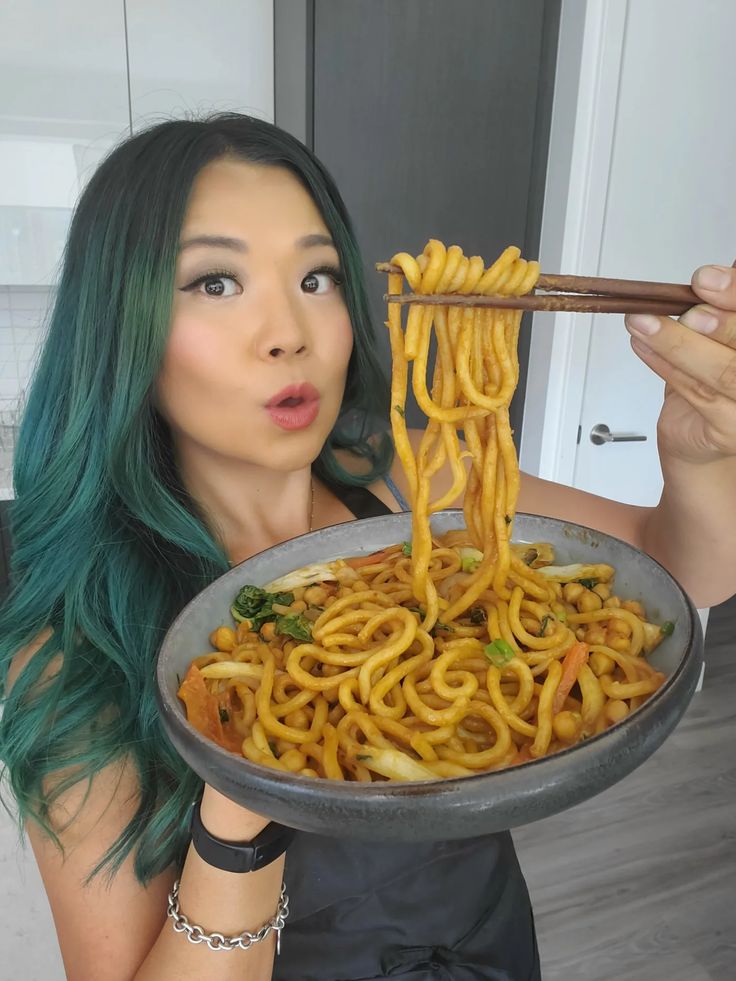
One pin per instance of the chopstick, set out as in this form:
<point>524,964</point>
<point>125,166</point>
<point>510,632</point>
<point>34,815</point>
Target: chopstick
<point>579,294</point>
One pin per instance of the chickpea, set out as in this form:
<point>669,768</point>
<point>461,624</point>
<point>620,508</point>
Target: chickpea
<point>616,710</point>
<point>268,631</point>
<point>580,633</point>
<point>330,670</point>
<point>315,596</point>
<point>566,726</point>
<point>603,590</point>
<point>617,643</point>
<point>589,602</point>
<point>244,634</point>
<point>294,760</point>
<point>633,606</point>
<point>330,600</point>
<point>288,648</point>
<point>612,603</point>
<point>601,663</point>
<point>298,592</point>
<point>308,772</point>
<point>223,638</point>
<point>617,625</point>
<point>298,606</point>
<point>595,634</point>
<point>572,591</point>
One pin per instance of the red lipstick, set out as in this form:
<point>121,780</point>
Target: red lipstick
<point>294,407</point>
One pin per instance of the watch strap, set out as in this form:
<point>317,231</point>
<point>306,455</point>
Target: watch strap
<point>237,856</point>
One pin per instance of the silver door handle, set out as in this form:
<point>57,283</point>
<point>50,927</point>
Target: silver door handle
<point>601,434</point>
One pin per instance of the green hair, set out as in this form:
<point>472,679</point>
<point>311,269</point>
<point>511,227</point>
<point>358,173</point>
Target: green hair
<point>107,544</point>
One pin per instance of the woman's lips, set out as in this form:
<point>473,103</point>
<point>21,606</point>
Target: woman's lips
<point>294,407</point>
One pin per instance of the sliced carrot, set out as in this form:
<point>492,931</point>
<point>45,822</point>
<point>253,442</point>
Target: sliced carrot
<point>361,560</point>
<point>573,661</point>
<point>203,711</point>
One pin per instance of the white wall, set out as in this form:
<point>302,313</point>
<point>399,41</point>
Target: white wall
<point>639,186</point>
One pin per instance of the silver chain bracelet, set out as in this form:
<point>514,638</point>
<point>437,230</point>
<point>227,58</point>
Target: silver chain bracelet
<point>216,941</point>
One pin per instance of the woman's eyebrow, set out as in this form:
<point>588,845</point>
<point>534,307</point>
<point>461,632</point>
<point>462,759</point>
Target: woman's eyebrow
<point>317,238</point>
<point>217,241</point>
<point>238,245</point>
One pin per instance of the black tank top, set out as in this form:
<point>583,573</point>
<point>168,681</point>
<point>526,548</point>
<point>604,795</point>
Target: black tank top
<point>430,911</point>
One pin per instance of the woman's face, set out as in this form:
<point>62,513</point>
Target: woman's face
<point>257,357</point>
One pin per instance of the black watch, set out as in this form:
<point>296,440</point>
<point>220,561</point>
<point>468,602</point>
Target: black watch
<point>237,856</point>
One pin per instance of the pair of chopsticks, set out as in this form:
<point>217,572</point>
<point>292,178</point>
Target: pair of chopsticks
<point>580,294</point>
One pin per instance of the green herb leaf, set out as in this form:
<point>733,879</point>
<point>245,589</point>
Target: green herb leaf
<point>499,652</point>
<point>667,628</point>
<point>406,548</point>
<point>255,604</point>
<point>294,625</point>
<point>224,715</point>
<point>543,625</point>
<point>397,408</point>
<point>478,615</point>
<point>588,583</point>
<point>361,758</point>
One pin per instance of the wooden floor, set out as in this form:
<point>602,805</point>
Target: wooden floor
<point>639,883</point>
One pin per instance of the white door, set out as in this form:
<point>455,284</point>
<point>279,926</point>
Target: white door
<point>671,206</point>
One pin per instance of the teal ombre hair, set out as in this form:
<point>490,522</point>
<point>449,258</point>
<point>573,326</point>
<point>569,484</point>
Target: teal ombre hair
<point>107,544</point>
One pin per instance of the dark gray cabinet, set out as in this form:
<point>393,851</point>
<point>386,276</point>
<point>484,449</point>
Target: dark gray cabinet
<point>433,117</point>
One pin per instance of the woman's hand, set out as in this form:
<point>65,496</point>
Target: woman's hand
<point>696,357</point>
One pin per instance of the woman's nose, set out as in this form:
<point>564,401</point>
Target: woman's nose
<point>284,333</point>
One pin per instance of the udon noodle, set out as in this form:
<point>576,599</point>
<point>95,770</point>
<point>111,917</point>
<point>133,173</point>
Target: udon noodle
<point>445,655</point>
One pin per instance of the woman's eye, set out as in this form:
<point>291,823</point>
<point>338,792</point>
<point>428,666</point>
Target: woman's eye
<point>320,282</point>
<point>215,285</point>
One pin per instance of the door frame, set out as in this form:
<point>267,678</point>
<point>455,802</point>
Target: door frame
<point>584,115</point>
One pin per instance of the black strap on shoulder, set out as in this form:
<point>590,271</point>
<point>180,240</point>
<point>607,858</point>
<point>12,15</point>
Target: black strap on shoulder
<point>360,501</point>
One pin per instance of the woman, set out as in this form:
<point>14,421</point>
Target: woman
<point>211,268</point>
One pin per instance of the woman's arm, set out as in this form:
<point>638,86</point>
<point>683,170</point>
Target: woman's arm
<point>120,932</point>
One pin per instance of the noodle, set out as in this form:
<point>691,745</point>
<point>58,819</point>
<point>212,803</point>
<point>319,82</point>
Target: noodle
<point>444,656</point>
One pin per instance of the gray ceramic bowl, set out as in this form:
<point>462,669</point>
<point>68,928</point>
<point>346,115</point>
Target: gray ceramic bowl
<point>456,808</point>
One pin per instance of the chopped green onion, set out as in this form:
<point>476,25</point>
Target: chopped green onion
<point>499,652</point>
<point>397,408</point>
<point>406,548</point>
<point>667,628</point>
<point>543,626</point>
<point>469,563</point>
<point>478,615</point>
<point>224,715</point>
<point>588,583</point>
<point>361,758</point>
<point>561,616</point>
